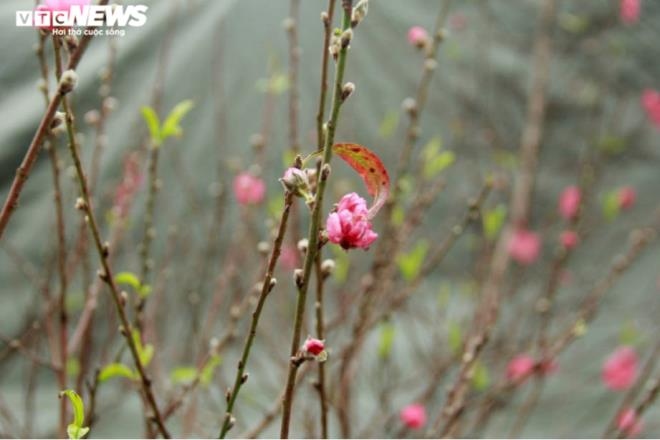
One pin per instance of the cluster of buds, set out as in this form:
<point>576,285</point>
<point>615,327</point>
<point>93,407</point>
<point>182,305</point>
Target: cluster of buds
<point>297,182</point>
<point>340,40</point>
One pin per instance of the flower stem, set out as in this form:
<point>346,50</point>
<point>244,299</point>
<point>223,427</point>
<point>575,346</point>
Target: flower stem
<point>266,288</point>
<point>315,224</point>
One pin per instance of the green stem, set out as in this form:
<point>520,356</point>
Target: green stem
<point>315,225</point>
<point>266,288</point>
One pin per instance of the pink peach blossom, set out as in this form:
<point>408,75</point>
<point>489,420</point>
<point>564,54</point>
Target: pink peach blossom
<point>313,346</point>
<point>413,416</point>
<point>651,104</point>
<point>569,202</point>
<point>629,11</point>
<point>349,225</point>
<point>248,189</point>
<point>569,239</point>
<point>289,257</point>
<point>417,36</point>
<point>627,197</point>
<point>620,369</point>
<point>629,424</point>
<point>520,367</point>
<point>524,246</point>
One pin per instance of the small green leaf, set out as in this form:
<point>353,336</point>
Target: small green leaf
<point>387,333</point>
<point>153,123</point>
<point>128,279</point>
<point>145,353</point>
<point>611,205</point>
<point>629,334</point>
<point>388,124</point>
<point>493,220</point>
<point>436,160</point>
<point>481,377</point>
<point>454,337</point>
<point>206,376</point>
<point>171,126</point>
<point>572,23</point>
<point>116,370</point>
<point>72,367</point>
<point>144,291</point>
<point>411,263</point>
<point>184,374</point>
<point>76,430</point>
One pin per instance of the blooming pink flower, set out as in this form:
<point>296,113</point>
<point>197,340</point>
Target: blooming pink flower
<point>413,416</point>
<point>569,202</point>
<point>620,369</point>
<point>524,246</point>
<point>519,368</point>
<point>651,103</point>
<point>569,239</point>
<point>629,11</point>
<point>313,346</point>
<point>417,36</point>
<point>627,197</point>
<point>349,225</point>
<point>289,257</point>
<point>628,422</point>
<point>248,189</point>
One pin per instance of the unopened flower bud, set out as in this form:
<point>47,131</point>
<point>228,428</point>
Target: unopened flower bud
<point>346,38</point>
<point>327,267</point>
<point>68,81</point>
<point>347,90</point>
<point>302,245</point>
<point>272,283</point>
<point>298,277</point>
<point>313,346</point>
<point>92,117</point>
<point>58,120</point>
<point>80,204</point>
<point>325,18</point>
<point>430,64</point>
<point>263,247</point>
<point>288,24</point>
<point>123,298</point>
<point>359,12</point>
<point>295,180</point>
<point>409,106</point>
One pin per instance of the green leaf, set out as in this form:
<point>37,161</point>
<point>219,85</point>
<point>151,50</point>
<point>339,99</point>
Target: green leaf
<point>206,376</point>
<point>435,160</point>
<point>387,333</point>
<point>184,374</point>
<point>116,370</point>
<point>144,291</point>
<point>72,367</point>
<point>611,205</point>
<point>128,279</point>
<point>76,430</point>
<point>153,123</point>
<point>493,220</point>
<point>388,124</point>
<point>629,334</point>
<point>171,126</point>
<point>411,263</point>
<point>145,353</point>
<point>455,337</point>
<point>481,377</point>
<point>612,144</point>
<point>369,166</point>
<point>398,215</point>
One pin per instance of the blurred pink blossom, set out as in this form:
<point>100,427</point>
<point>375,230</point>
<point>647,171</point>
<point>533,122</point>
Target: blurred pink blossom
<point>413,416</point>
<point>569,202</point>
<point>629,424</point>
<point>651,104</point>
<point>629,11</point>
<point>569,239</point>
<point>417,36</point>
<point>620,369</point>
<point>524,246</point>
<point>289,257</point>
<point>248,189</point>
<point>349,225</point>
<point>627,197</point>
<point>64,5</point>
<point>520,367</point>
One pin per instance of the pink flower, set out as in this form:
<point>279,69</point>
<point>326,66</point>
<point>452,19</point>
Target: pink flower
<point>524,246</point>
<point>620,369</point>
<point>569,239</point>
<point>569,202</point>
<point>629,11</point>
<point>289,257</point>
<point>651,104</point>
<point>627,197</point>
<point>413,416</point>
<point>349,226</point>
<point>629,423</point>
<point>417,36</point>
<point>248,189</point>
<point>519,368</point>
<point>313,346</point>
<point>64,5</point>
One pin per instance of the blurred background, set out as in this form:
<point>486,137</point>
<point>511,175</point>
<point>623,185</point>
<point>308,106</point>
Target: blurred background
<point>230,58</point>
